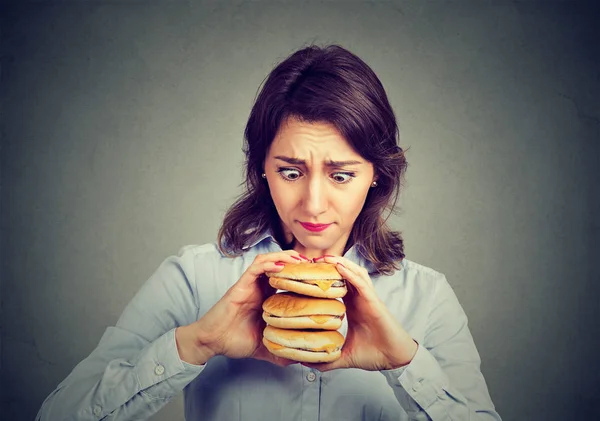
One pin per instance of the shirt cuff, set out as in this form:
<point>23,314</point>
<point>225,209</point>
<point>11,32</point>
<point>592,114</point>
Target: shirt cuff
<point>160,371</point>
<point>418,384</point>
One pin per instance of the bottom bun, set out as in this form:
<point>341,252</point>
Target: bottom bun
<point>301,355</point>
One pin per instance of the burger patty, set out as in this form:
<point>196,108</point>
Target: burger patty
<point>312,350</point>
<point>321,284</point>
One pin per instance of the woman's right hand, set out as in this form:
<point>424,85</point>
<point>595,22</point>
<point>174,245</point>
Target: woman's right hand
<point>233,327</point>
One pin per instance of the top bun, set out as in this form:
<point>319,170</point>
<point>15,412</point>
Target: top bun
<point>288,304</point>
<point>308,271</point>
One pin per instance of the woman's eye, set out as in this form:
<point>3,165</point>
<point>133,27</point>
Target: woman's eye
<point>289,174</point>
<point>292,174</point>
<point>342,177</point>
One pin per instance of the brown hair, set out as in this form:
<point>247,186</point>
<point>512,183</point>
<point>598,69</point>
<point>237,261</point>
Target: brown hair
<point>331,85</point>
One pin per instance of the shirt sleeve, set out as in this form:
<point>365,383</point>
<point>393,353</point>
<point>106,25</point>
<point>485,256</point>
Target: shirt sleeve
<point>444,380</point>
<point>135,369</point>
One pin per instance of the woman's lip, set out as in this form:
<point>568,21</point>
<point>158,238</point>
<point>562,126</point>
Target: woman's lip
<point>314,227</point>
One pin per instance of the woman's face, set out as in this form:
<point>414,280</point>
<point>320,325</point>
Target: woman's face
<point>316,177</point>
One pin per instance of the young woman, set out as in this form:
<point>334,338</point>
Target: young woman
<point>323,171</point>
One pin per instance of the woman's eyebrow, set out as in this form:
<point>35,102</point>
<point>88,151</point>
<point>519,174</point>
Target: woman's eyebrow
<point>330,163</point>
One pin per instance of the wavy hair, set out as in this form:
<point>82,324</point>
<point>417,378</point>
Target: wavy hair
<point>323,84</point>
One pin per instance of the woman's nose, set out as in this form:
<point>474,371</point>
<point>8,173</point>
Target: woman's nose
<point>315,201</point>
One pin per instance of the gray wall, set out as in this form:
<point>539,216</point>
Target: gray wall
<point>121,142</point>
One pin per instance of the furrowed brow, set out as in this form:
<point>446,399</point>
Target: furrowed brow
<point>330,163</point>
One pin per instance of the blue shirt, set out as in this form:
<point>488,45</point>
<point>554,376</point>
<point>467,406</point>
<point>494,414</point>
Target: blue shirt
<point>135,369</point>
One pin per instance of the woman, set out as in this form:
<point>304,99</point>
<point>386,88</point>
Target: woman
<point>321,149</point>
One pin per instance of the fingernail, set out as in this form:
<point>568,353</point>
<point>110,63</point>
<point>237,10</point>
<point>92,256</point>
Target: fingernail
<point>297,258</point>
<point>280,263</point>
<point>305,258</point>
<point>342,265</point>
<point>328,255</point>
<point>318,258</point>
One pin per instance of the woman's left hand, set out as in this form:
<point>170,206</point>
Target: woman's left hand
<point>374,340</point>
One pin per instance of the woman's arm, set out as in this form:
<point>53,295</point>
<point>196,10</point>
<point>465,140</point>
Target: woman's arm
<point>437,380</point>
<point>136,368</point>
<point>444,381</point>
<point>140,365</point>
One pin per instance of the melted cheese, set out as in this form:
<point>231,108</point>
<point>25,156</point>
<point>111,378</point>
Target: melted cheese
<point>320,319</point>
<point>273,345</point>
<point>329,348</point>
<point>324,285</point>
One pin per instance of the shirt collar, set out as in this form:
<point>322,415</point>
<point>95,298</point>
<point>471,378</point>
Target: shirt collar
<point>265,235</point>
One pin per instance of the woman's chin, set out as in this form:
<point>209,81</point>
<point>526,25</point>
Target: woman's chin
<point>315,242</point>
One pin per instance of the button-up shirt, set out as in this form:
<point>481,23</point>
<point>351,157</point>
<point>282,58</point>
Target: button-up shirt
<point>136,369</point>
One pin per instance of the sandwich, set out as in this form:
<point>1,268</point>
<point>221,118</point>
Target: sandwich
<point>321,280</point>
<point>310,346</point>
<point>288,310</point>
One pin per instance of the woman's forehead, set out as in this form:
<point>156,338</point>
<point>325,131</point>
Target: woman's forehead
<point>296,138</point>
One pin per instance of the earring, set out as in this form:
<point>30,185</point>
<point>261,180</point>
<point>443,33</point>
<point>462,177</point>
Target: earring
<point>374,184</point>
<point>264,175</point>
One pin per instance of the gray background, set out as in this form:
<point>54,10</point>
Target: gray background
<point>121,141</point>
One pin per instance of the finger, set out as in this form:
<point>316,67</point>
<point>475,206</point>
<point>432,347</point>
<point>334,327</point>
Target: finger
<point>352,292</point>
<point>285,256</point>
<point>269,256</point>
<point>349,264</point>
<point>361,286</point>
<point>360,281</point>
<point>270,262</point>
<point>294,253</point>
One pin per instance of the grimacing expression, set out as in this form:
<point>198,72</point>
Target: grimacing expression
<point>316,177</point>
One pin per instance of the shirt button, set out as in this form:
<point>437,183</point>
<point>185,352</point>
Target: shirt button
<point>97,410</point>
<point>311,377</point>
<point>417,386</point>
<point>159,370</point>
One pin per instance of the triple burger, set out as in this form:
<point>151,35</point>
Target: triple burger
<point>302,322</point>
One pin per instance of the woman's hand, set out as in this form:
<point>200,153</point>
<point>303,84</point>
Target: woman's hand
<point>233,327</point>
<point>375,340</point>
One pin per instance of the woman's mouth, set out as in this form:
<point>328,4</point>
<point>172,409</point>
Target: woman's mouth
<point>314,227</point>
